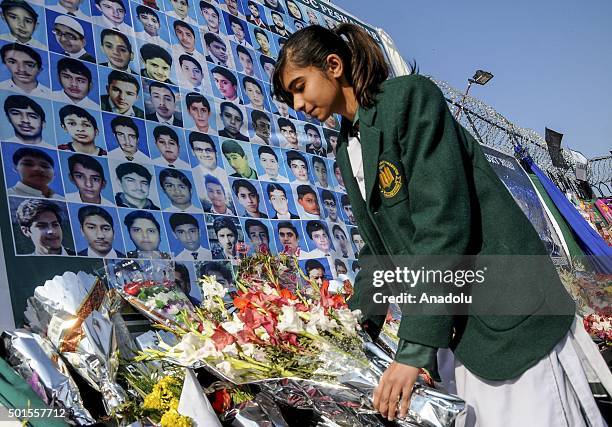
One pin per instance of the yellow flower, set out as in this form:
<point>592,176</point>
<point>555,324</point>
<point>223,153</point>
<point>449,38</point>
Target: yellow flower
<point>173,419</point>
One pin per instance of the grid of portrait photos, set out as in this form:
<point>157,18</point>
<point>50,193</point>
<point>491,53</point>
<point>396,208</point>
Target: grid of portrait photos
<point>147,130</point>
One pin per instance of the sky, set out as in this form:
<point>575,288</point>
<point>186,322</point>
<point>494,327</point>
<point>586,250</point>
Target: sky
<point>551,60</point>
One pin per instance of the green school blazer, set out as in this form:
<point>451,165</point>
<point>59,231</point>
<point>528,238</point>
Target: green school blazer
<point>430,191</point>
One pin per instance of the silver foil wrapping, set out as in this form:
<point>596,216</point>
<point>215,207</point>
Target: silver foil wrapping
<point>75,312</point>
<point>36,361</point>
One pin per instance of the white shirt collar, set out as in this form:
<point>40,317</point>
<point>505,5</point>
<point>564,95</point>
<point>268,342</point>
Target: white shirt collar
<point>111,254</point>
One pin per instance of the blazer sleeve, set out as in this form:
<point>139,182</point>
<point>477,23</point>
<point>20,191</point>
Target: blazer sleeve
<point>436,167</point>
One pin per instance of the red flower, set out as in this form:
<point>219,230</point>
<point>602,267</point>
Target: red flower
<point>221,338</point>
<point>220,400</point>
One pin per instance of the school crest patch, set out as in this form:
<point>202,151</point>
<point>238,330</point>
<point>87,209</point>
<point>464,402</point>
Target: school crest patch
<point>389,179</point>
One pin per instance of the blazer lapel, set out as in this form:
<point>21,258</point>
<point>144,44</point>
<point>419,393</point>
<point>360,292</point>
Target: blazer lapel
<point>370,149</point>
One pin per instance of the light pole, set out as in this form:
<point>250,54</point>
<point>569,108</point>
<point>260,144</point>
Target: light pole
<point>481,77</point>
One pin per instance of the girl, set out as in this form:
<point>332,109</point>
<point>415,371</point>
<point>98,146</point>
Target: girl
<point>419,184</point>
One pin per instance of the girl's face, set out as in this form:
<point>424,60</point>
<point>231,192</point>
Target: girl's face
<point>315,92</point>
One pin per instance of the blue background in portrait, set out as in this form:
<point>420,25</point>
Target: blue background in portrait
<point>264,75</point>
<point>290,198</point>
<point>251,126</point>
<point>349,236</point>
<point>247,239</point>
<point>290,173</point>
<point>215,90</point>
<point>48,134</point>
<point>256,44</point>
<point>165,201</point>
<point>103,82</point>
<point>107,192</point>
<point>301,236</point>
<point>240,211</point>
<point>126,19</point>
<point>129,245</point>
<point>83,7</point>
<point>270,21</point>
<point>56,85</point>
<point>154,152</point>
<point>254,58</point>
<point>134,64</point>
<point>323,209</point>
<point>327,274</point>
<point>43,76</point>
<point>175,245</point>
<point>54,46</point>
<point>114,163</point>
<point>230,32</point>
<point>63,137</point>
<point>194,160</point>
<point>246,98</point>
<point>148,105</point>
<point>192,4</point>
<point>175,41</point>
<point>40,31</point>
<point>247,151</point>
<point>277,44</point>
<point>310,158</point>
<point>247,11</point>
<point>172,76</point>
<point>188,122</point>
<point>238,6</point>
<point>80,241</point>
<point>341,210</point>
<point>163,23</point>
<point>11,175</point>
<point>310,242</point>
<point>202,21</point>
<point>281,162</point>
<point>112,143</point>
<point>221,125</point>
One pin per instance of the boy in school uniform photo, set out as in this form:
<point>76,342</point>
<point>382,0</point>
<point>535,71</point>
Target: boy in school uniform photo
<point>157,63</point>
<point>268,160</point>
<point>97,227</point>
<point>152,24</point>
<point>232,118</point>
<point>168,144</point>
<point>36,171</point>
<point>71,38</point>
<point>201,112</point>
<point>82,128</point>
<point>118,49</point>
<point>127,135</point>
<point>163,100</point>
<point>178,190</point>
<point>135,185</point>
<point>145,233</point>
<point>121,96</point>
<point>27,119</point>
<point>25,65</point>
<point>113,14</point>
<point>76,82</point>
<point>186,230</point>
<point>22,21</point>
<point>87,175</point>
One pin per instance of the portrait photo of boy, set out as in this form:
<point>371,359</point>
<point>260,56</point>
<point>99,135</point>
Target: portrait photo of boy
<point>133,186</point>
<point>21,23</point>
<point>200,113</point>
<point>86,179</point>
<point>32,172</point>
<point>156,63</point>
<point>25,70</point>
<point>167,147</point>
<point>116,51</point>
<point>151,25</point>
<point>70,37</point>
<point>187,241</point>
<point>147,239</point>
<point>177,192</point>
<point>238,159</point>
<point>95,231</point>
<point>74,82</point>
<point>81,128</point>
<point>163,104</point>
<point>112,14</point>
<point>121,94</point>
<point>27,121</point>
<point>126,138</point>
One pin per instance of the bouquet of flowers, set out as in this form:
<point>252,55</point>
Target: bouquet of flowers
<point>599,327</point>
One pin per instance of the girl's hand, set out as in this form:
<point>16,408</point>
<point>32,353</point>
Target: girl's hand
<point>396,383</point>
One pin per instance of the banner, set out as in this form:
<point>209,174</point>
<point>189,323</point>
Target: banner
<point>553,141</point>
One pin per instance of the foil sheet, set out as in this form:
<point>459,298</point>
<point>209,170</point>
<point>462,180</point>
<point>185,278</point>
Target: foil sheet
<point>38,363</point>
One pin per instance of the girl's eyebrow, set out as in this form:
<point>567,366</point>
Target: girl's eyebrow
<point>293,83</point>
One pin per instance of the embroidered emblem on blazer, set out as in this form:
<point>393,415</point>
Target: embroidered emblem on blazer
<point>389,179</point>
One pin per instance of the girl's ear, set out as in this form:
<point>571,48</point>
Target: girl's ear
<point>335,66</point>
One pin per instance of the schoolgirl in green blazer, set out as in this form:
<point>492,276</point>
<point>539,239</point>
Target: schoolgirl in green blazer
<point>425,188</point>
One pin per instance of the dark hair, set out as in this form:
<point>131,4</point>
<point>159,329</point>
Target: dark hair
<point>173,173</point>
<point>313,264</point>
<point>124,121</point>
<point>344,200</point>
<point>337,227</point>
<point>260,31</point>
<point>21,102</point>
<point>317,159</point>
<point>119,2</point>
<point>67,110</point>
<point>199,136</point>
<point>183,271</point>
<point>304,189</point>
<point>164,130</point>
<point>327,195</point>
<point>20,153</point>
<point>177,219</point>
<point>87,211</point>
<point>227,104</point>
<point>315,225</point>
<point>249,79</point>
<point>221,222</point>
<point>255,222</point>
<point>355,265</point>
<point>134,215</point>
<point>231,146</point>
<point>310,126</point>
<point>339,263</point>
<point>193,97</point>
<point>108,32</point>
<point>258,115</point>
<point>274,186</point>
<point>127,168</point>
<point>284,122</point>
<point>211,179</point>
<point>263,59</point>
<point>144,10</point>
<point>150,51</point>
<point>328,133</point>
<point>25,49</point>
<point>364,61</point>
<point>264,149</point>
<point>294,155</point>
<point>206,268</point>
<point>74,66</point>
<point>29,209</point>
<point>185,57</point>
<point>354,231</point>
<point>246,184</point>
<point>161,86</point>
<point>212,37</point>
<point>287,224</point>
<point>179,23</point>
<point>225,73</point>
<point>242,49</point>
<point>87,162</point>
<point>207,5</point>
<point>233,20</point>
<point>119,76</point>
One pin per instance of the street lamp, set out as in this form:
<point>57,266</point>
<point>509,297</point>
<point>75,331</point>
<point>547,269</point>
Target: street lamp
<point>481,77</point>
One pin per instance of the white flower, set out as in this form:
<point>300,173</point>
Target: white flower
<point>319,319</point>
<point>211,288</point>
<point>268,290</point>
<point>230,350</point>
<point>225,368</point>
<point>261,333</point>
<point>349,319</point>
<point>290,320</point>
<point>187,349</point>
<point>248,349</point>
<point>233,326</point>
<point>209,351</point>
